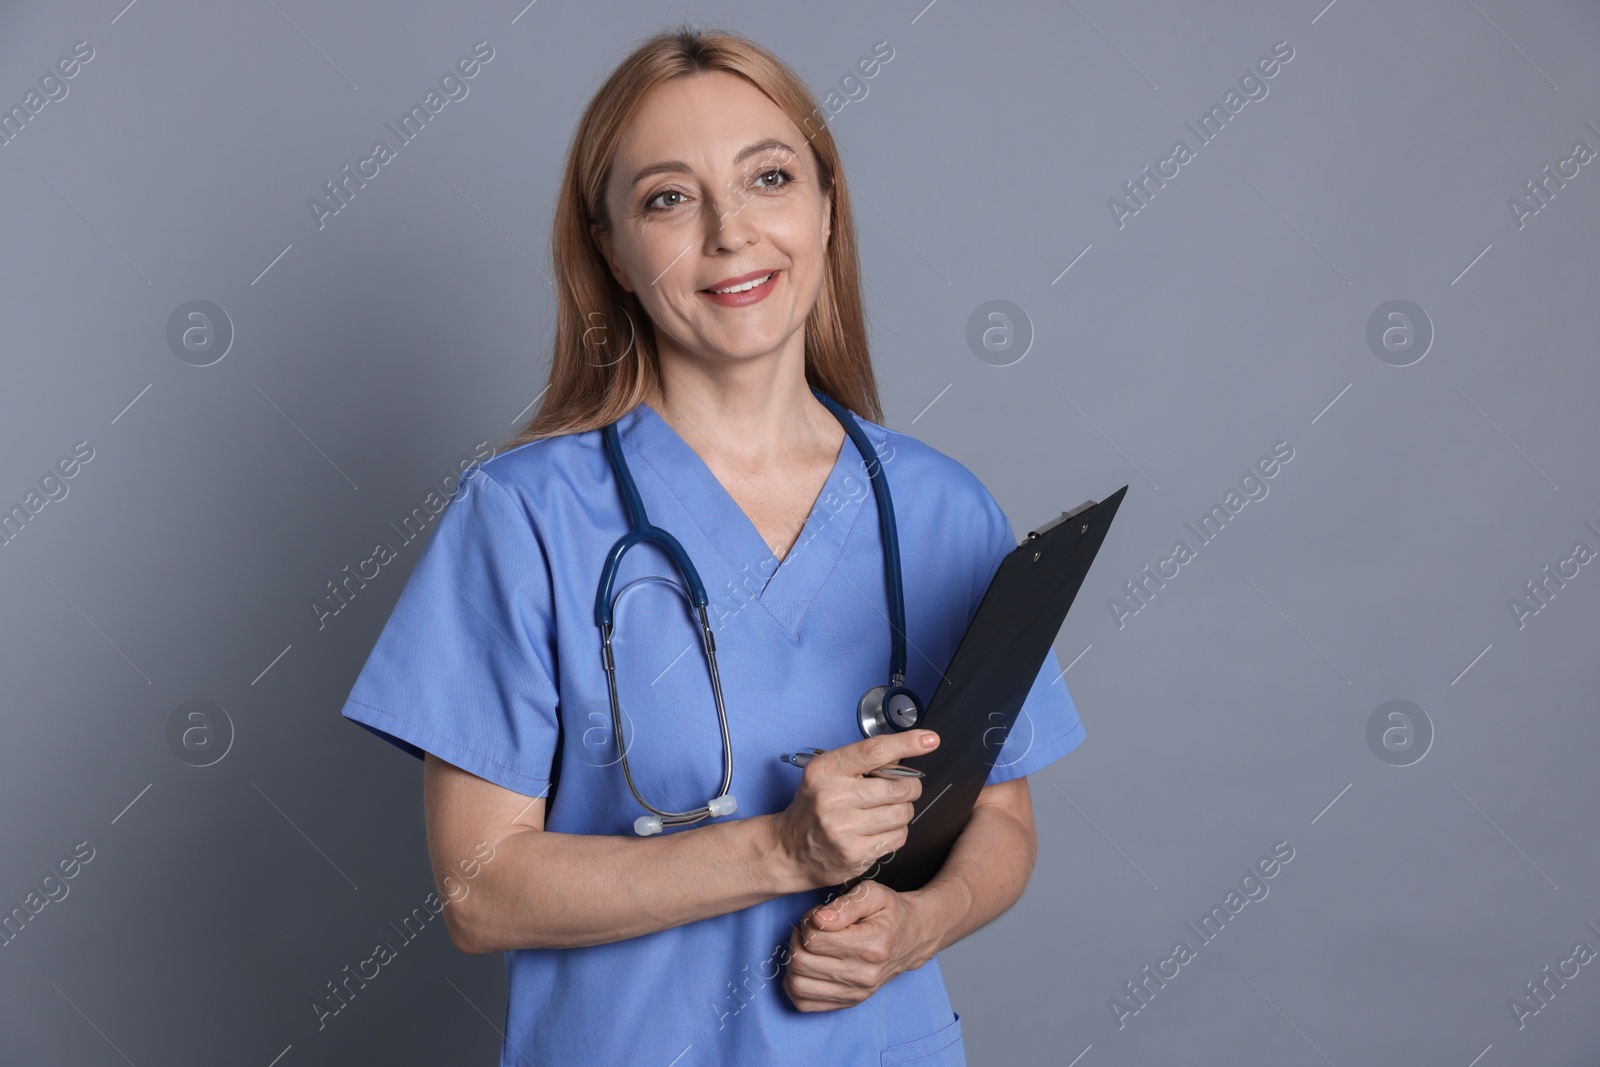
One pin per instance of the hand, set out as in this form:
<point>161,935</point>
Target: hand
<point>845,949</point>
<point>840,822</point>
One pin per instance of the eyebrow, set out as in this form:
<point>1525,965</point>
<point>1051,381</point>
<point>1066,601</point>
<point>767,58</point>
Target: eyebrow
<point>675,166</point>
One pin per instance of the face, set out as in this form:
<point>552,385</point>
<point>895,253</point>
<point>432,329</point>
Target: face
<point>712,184</point>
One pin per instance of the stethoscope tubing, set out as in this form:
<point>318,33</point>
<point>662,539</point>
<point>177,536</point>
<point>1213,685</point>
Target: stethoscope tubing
<point>642,531</point>
<point>890,534</point>
<point>671,818</point>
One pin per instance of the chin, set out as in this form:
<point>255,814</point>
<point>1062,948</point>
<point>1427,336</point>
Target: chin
<point>745,345</point>
<point>748,353</point>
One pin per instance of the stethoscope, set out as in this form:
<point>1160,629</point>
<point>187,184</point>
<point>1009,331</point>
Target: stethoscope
<point>882,709</point>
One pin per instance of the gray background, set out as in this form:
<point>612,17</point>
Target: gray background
<point>1229,714</point>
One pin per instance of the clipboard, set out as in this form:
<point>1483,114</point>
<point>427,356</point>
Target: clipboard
<point>983,689</point>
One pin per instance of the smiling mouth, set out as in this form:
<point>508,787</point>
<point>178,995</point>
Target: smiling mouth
<point>743,287</point>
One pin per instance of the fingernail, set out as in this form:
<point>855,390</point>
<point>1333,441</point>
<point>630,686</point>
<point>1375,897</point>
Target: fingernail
<point>826,916</point>
<point>929,740</point>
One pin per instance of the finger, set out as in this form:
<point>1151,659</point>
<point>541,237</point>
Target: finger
<point>800,1002</point>
<point>803,1004</point>
<point>860,942</point>
<point>827,993</point>
<point>808,979</point>
<point>876,853</point>
<point>811,936</point>
<point>860,947</point>
<point>847,972</point>
<point>860,833</point>
<point>884,821</point>
<point>874,752</point>
<point>808,964</point>
<point>877,792</point>
<point>881,848</point>
<point>866,898</point>
<point>821,944</point>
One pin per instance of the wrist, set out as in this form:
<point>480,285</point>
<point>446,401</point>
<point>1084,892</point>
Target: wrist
<point>781,872</point>
<point>940,907</point>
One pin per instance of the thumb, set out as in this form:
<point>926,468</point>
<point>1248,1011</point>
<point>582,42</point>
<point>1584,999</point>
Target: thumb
<point>863,757</point>
<point>846,910</point>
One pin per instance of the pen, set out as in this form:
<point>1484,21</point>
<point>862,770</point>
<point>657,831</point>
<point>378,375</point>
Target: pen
<point>893,770</point>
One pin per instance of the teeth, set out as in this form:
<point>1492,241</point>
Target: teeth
<point>746,287</point>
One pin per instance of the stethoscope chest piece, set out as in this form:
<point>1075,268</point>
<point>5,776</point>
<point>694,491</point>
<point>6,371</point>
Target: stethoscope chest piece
<point>888,709</point>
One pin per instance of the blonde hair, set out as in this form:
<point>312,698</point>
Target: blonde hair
<point>594,312</point>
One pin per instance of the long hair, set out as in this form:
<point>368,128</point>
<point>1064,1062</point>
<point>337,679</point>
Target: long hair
<point>603,362</point>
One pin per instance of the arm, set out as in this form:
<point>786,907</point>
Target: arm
<point>987,869</point>
<point>535,888</point>
<point>847,948</point>
<point>543,889</point>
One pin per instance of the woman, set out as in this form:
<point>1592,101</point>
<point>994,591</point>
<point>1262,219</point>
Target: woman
<point>706,281</point>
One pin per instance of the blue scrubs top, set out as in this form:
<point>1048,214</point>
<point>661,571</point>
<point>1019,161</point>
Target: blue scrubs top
<point>491,661</point>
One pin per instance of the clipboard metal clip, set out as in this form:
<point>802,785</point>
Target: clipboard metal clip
<point>1065,515</point>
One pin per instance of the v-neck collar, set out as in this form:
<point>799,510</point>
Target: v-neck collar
<point>674,471</point>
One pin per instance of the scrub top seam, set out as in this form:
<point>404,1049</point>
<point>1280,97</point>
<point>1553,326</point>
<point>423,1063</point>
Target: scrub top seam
<point>438,738</point>
<point>1044,755</point>
<point>837,559</point>
<point>551,679</point>
<point>838,556</point>
<point>704,533</point>
<point>536,535</point>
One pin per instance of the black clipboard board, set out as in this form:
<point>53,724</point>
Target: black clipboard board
<point>981,695</point>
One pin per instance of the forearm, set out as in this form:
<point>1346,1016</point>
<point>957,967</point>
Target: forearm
<point>985,873</point>
<point>556,890</point>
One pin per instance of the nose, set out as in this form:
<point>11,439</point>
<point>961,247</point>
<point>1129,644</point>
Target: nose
<point>728,225</point>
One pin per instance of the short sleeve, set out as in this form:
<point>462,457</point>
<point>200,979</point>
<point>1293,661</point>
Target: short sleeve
<point>465,665</point>
<point>1048,727</point>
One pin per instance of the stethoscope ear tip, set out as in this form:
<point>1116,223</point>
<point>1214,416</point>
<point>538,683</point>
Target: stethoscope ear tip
<point>650,825</point>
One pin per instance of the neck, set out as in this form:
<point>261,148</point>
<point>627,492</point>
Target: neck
<point>755,411</point>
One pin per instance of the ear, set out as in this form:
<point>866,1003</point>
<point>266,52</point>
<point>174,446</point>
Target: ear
<point>602,240</point>
<point>827,218</point>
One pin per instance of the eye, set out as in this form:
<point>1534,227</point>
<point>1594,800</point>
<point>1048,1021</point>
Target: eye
<point>650,204</point>
<point>775,172</point>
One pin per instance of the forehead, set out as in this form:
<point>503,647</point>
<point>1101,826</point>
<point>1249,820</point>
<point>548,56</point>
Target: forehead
<point>702,120</point>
